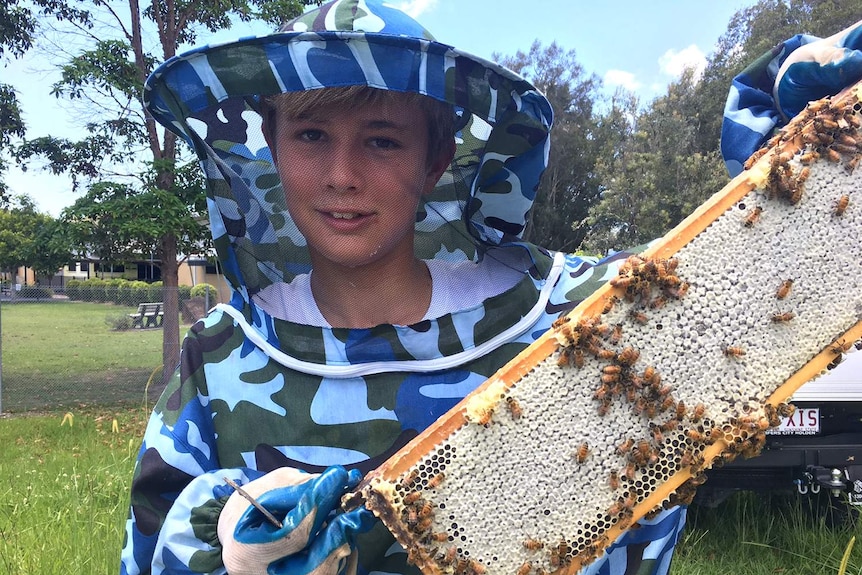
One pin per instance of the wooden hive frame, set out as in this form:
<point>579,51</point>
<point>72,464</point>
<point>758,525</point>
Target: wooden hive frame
<point>643,373</point>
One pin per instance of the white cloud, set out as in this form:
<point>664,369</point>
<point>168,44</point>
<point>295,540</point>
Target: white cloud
<point>622,78</point>
<point>674,62</point>
<point>415,8</point>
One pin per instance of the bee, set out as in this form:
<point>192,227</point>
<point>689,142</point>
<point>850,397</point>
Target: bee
<point>783,317</point>
<point>625,446</point>
<point>525,568</point>
<point>732,351</point>
<point>612,369</point>
<point>784,289</point>
<point>695,435</point>
<point>785,409</point>
<point>606,354</point>
<point>610,377</point>
<point>753,216</point>
<point>623,281</point>
<point>697,412</point>
<point>410,479</point>
<point>565,357</point>
<point>639,316</point>
<point>583,452</point>
<point>450,555</point>
<point>602,392</point>
<point>412,517</point>
<point>514,408</point>
<point>426,510</point>
<point>629,472</point>
<point>554,558</point>
<point>754,157</point>
<point>656,433</point>
<point>477,568</point>
<point>436,481</point>
<point>842,204</point>
<point>852,163</point>
<point>832,155</point>
<point>485,416</point>
<point>614,480</point>
<point>610,303</point>
<point>809,157</point>
<point>578,358</point>
<point>440,537</point>
<point>411,498</point>
<point>616,334</point>
<point>840,346</point>
<point>424,525</point>
<point>680,410</point>
<point>658,302</point>
<point>533,544</point>
<point>628,356</point>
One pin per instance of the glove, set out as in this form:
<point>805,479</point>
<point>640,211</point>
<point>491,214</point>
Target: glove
<point>309,541</point>
<point>779,84</point>
<point>818,69</point>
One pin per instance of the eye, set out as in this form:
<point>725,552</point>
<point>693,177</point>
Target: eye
<point>384,143</point>
<point>310,135</point>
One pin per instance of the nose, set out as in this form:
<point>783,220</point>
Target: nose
<point>343,168</point>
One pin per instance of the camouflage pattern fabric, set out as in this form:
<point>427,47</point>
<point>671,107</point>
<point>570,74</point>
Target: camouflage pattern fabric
<point>254,392</point>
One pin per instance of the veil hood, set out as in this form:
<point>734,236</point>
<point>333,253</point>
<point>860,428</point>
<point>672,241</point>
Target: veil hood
<point>210,96</point>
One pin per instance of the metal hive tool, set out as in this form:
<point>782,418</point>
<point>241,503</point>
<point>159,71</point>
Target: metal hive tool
<point>679,363</point>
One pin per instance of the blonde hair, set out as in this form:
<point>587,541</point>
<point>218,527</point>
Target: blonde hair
<point>439,116</point>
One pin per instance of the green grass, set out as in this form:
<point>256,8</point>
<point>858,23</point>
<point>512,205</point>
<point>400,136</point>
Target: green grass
<point>66,354</point>
<point>64,491</point>
<point>765,534</point>
<point>64,494</point>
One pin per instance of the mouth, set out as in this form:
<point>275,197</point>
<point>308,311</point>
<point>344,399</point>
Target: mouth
<point>344,215</point>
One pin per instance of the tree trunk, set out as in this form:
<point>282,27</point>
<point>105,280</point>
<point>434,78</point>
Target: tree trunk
<point>170,298</point>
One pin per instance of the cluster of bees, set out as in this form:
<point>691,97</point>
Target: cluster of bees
<point>820,131</point>
<point>418,515</point>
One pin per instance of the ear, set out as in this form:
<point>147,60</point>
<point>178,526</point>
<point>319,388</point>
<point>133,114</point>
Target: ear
<point>268,127</point>
<point>437,167</point>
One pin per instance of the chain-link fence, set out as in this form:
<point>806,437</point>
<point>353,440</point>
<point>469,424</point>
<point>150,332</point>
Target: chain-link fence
<point>93,343</point>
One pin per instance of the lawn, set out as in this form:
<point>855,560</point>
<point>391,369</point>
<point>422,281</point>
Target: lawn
<point>64,487</point>
<point>64,354</point>
<point>64,482</point>
<point>65,473</point>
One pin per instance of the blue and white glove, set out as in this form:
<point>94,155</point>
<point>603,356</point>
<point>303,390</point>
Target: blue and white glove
<point>311,540</point>
<point>779,84</point>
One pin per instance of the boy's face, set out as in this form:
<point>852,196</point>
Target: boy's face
<point>353,179</point>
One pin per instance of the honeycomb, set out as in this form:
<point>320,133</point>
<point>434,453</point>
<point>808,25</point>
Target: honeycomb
<point>681,362</point>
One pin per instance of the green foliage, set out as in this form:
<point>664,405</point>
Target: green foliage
<point>35,292</point>
<point>569,185</point>
<point>18,227</point>
<point>204,289</point>
<point>118,321</point>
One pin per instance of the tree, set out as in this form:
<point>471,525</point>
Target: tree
<point>17,27</point>
<point>669,163</point>
<point>50,249</point>
<point>18,225</point>
<point>569,185</point>
<point>108,74</point>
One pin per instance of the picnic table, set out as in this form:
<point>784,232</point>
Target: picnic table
<point>148,315</point>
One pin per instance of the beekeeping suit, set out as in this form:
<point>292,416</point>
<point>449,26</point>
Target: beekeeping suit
<point>256,391</point>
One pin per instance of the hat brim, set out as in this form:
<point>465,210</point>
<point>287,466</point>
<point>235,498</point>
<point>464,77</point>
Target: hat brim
<point>293,61</point>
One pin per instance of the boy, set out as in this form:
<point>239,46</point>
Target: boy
<point>373,248</point>
<point>378,278</point>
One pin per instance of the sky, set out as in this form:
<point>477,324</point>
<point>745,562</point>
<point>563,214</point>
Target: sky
<point>636,44</point>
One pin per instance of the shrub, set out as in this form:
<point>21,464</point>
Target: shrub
<point>119,321</point>
<point>139,292</point>
<point>154,291</point>
<point>201,290</point>
<point>35,292</point>
<point>73,289</point>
